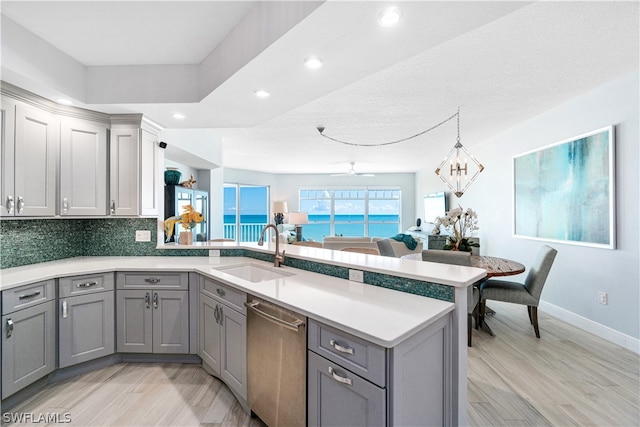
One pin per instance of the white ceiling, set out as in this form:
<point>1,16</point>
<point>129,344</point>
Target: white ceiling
<point>500,62</point>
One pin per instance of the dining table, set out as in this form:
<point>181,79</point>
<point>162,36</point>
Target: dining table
<point>495,267</point>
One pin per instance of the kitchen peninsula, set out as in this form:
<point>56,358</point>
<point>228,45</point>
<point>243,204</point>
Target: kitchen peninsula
<point>315,287</point>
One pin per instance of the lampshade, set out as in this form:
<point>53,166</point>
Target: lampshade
<point>298,218</point>
<point>279,207</point>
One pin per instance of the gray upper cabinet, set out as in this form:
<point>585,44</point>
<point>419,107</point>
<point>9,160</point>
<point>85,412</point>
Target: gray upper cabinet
<point>86,318</point>
<point>152,319</point>
<point>28,335</point>
<point>135,170</point>
<point>83,168</point>
<point>30,143</point>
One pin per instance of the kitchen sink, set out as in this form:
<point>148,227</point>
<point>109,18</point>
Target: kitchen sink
<point>254,273</point>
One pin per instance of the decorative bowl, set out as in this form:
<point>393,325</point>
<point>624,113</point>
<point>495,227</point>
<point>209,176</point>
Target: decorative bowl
<point>172,177</point>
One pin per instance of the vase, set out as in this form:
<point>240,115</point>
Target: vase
<point>186,237</point>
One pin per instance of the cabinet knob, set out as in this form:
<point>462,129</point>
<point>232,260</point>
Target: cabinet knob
<point>9,205</point>
<point>221,292</point>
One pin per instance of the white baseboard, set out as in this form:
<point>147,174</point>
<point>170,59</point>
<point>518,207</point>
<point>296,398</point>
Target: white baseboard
<point>604,332</point>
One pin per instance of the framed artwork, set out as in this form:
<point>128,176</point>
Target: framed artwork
<point>564,192</point>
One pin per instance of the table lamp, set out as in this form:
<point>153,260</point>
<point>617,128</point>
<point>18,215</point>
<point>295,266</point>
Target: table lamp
<point>297,219</point>
<point>279,209</point>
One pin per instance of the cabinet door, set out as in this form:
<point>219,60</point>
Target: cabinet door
<point>83,168</point>
<point>337,397</point>
<point>134,327</point>
<point>171,322</point>
<point>7,141</point>
<point>86,328</point>
<point>36,148</point>
<point>209,330</point>
<point>234,350</point>
<point>151,180</point>
<point>125,167</point>
<point>28,346</point>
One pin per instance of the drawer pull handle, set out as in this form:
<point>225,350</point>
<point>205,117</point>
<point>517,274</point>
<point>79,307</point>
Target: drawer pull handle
<point>113,207</point>
<point>146,300</point>
<point>86,284</point>
<point>35,294</point>
<point>9,328</point>
<point>221,292</point>
<point>152,280</point>
<point>338,347</point>
<point>65,205</point>
<point>65,309</point>
<point>155,300</point>
<point>343,380</point>
<point>20,204</point>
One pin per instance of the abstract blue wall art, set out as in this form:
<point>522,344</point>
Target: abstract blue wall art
<point>564,192</point>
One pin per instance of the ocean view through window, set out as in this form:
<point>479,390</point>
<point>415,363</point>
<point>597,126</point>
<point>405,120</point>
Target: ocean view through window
<point>356,211</point>
<point>246,211</point>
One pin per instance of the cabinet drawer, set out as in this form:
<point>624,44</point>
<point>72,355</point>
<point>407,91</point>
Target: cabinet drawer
<point>230,296</point>
<point>27,296</point>
<point>355,354</point>
<point>150,280</point>
<point>80,285</point>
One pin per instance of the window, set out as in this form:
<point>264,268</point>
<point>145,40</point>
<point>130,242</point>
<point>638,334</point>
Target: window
<point>351,211</point>
<point>252,204</point>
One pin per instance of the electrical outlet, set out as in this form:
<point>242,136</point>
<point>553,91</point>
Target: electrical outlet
<point>356,275</point>
<point>603,298</point>
<point>143,235</point>
<point>214,252</point>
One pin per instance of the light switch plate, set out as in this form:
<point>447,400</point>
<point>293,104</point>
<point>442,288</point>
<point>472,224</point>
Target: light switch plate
<point>143,235</point>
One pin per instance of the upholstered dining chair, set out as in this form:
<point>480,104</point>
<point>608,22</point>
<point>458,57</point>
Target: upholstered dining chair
<point>370,251</point>
<point>473,294</point>
<point>527,293</point>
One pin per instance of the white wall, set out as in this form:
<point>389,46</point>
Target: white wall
<point>579,272</point>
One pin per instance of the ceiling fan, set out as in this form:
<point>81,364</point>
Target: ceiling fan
<point>352,172</point>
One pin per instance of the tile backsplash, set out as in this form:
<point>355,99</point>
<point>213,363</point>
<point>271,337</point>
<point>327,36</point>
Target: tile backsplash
<point>30,241</point>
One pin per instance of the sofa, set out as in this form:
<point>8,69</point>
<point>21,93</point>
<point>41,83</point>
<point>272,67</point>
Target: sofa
<point>339,242</point>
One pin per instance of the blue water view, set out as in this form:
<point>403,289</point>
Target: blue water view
<point>345,225</point>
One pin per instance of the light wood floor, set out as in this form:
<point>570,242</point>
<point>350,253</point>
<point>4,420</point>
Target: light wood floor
<point>567,378</point>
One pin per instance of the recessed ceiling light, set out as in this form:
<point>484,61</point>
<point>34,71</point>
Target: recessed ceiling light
<point>64,101</point>
<point>179,116</point>
<point>261,93</point>
<point>313,62</point>
<point>389,17</point>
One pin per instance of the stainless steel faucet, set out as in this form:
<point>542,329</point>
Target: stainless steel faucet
<point>278,257</point>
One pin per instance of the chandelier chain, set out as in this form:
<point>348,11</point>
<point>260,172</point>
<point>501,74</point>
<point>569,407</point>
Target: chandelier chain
<point>457,114</point>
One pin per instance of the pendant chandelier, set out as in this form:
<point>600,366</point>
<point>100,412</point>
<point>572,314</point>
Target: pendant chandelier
<point>460,163</point>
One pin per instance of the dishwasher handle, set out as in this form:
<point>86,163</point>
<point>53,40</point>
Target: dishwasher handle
<point>295,326</point>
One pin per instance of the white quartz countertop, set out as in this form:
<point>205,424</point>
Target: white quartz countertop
<point>382,316</point>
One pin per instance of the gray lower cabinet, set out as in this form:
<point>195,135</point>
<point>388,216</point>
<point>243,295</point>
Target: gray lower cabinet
<point>352,382</point>
<point>86,318</point>
<point>222,333</point>
<point>28,335</point>
<point>152,312</point>
<point>152,321</point>
<point>338,397</point>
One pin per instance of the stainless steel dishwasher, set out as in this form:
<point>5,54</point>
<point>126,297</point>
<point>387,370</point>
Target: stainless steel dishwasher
<point>276,364</point>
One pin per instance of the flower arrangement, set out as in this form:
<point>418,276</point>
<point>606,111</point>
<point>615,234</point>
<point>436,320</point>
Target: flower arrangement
<point>462,224</point>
